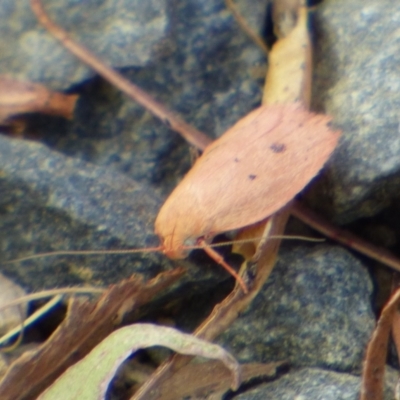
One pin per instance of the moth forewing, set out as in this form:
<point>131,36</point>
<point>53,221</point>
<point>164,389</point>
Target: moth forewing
<point>247,174</point>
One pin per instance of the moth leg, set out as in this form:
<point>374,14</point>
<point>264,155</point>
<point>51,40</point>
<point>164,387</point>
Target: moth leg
<point>220,260</point>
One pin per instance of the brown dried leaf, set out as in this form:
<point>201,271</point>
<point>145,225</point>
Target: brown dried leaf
<point>86,325</point>
<point>375,359</point>
<point>18,97</point>
<point>210,380</point>
<point>89,378</point>
<point>290,62</point>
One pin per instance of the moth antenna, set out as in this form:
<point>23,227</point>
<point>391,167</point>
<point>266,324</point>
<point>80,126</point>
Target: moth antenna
<point>220,260</point>
<point>151,249</point>
<point>249,240</point>
<point>84,253</point>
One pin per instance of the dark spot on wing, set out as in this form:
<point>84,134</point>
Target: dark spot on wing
<point>330,124</point>
<point>252,177</point>
<point>236,159</point>
<point>278,147</point>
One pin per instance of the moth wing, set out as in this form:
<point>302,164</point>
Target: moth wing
<point>250,172</point>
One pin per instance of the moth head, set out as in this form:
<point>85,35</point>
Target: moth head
<point>179,224</point>
<point>175,237</point>
<point>174,247</point>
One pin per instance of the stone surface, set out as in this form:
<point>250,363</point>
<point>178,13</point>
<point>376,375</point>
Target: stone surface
<point>125,33</point>
<point>51,202</point>
<point>313,384</point>
<point>357,81</point>
<point>314,310</point>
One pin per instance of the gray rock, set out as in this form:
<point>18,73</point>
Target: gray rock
<point>125,33</point>
<point>312,384</point>
<point>52,202</point>
<point>357,81</point>
<point>314,310</point>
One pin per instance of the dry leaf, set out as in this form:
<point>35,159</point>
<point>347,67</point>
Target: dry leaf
<point>375,359</point>
<point>18,97</point>
<point>89,378</point>
<point>210,380</point>
<point>86,325</point>
<point>290,62</point>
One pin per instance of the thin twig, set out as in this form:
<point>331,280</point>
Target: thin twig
<point>192,135</point>
<point>346,238</point>
<point>246,29</point>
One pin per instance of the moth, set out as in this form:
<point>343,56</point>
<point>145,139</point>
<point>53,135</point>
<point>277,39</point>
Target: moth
<point>246,175</point>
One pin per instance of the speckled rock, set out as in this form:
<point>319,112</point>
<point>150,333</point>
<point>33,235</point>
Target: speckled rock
<point>125,33</point>
<point>357,81</point>
<point>314,310</point>
<point>51,202</point>
<point>314,384</point>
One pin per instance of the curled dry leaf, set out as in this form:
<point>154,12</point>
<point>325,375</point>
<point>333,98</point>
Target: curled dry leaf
<point>249,173</point>
<point>89,378</point>
<point>210,380</point>
<point>290,60</point>
<point>18,97</point>
<point>375,359</point>
<point>86,324</point>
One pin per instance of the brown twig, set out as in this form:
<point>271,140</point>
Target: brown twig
<point>192,135</point>
<point>374,364</point>
<point>346,238</point>
<point>246,29</point>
